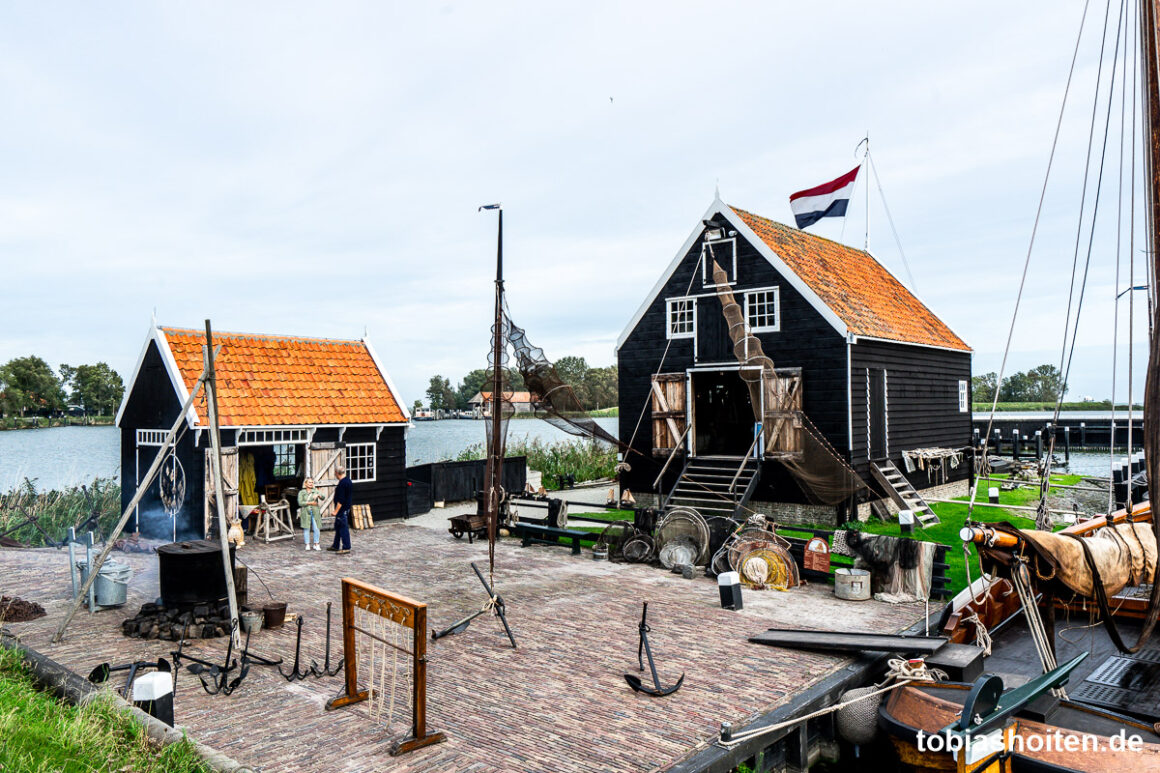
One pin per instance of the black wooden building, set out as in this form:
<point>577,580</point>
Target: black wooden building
<point>874,371</point>
<point>289,408</point>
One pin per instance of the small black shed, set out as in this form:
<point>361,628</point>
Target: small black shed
<point>882,380</point>
<point>288,407</point>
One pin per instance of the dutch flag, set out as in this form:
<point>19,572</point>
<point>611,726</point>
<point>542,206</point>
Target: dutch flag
<point>825,200</point>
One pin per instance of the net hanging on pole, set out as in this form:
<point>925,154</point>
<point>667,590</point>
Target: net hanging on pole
<point>553,400</point>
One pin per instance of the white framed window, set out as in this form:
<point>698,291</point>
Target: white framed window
<point>360,462</point>
<point>285,461</point>
<point>681,317</point>
<point>964,406</point>
<point>724,252</point>
<point>763,310</point>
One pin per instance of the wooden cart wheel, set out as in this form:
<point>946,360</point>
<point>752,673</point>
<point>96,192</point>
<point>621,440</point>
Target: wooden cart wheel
<point>457,533</point>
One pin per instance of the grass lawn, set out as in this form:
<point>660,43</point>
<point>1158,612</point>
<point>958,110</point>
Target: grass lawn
<point>953,515</point>
<point>41,734</point>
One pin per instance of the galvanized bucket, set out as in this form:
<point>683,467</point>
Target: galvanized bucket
<point>852,584</point>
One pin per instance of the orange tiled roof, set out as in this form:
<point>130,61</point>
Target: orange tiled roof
<point>854,286</point>
<point>515,397</point>
<point>270,380</point>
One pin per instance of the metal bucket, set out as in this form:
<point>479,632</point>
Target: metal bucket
<point>252,620</point>
<point>111,587</point>
<point>852,584</point>
<point>275,613</point>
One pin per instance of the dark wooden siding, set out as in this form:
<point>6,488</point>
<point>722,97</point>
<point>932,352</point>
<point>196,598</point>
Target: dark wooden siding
<point>922,388</point>
<point>805,340</point>
<point>153,404</point>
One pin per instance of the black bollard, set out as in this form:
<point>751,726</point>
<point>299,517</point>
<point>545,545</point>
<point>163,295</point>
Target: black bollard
<point>1067,444</point>
<point>1083,434</point>
<point>1015,444</point>
<point>1038,444</point>
<point>998,443</point>
<point>1119,484</point>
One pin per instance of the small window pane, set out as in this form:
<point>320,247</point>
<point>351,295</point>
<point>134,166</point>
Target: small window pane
<point>761,310</point>
<point>360,462</point>
<point>285,461</point>
<point>681,322</point>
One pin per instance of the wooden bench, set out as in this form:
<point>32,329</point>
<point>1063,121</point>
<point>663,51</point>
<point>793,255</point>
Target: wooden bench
<point>547,535</point>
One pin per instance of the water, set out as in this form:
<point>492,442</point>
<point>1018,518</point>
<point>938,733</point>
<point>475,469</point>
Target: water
<point>59,457</point>
<point>433,441</point>
<point>68,456</point>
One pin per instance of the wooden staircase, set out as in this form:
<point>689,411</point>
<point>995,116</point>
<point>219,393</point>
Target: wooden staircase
<point>902,493</point>
<point>706,484</point>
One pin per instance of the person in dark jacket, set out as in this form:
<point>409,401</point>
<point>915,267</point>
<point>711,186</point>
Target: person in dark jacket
<point>343,494</point>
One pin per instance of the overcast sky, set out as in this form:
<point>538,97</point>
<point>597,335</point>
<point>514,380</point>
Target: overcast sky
<point>315,168</point>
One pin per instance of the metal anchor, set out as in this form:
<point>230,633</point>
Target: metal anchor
<point>643,649</point>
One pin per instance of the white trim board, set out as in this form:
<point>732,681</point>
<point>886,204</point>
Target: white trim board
<point>719,207</point>
<point>157,336</point>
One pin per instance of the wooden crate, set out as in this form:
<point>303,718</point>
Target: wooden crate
<point>361,517</point>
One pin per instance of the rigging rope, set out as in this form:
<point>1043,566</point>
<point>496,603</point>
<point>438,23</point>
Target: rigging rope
<point>889,219</point>
<point>1030,248</point>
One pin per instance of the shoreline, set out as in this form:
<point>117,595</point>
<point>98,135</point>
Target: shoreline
<point>67,421</point>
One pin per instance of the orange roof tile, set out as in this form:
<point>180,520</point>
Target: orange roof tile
<point>267,380</point>
<point>854,286</point>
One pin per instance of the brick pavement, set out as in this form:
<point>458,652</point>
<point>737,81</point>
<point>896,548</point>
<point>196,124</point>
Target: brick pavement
<point>559,703</point>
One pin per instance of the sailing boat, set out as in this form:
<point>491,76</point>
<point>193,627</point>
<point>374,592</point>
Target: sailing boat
<point>1105,565</point>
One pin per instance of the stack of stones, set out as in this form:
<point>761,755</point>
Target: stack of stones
<point>154,621</point>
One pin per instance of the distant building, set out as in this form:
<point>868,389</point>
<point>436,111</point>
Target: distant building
<point>873,369</point>
<point>522,402</point>
<point>289,407</point>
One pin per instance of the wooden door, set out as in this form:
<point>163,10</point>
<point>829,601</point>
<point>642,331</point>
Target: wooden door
<point>713,344</point>
<point>876,417</point>
<point>781,397</point>
<point>229,488</point>
<point>668,412</point>
<point>320,466</point>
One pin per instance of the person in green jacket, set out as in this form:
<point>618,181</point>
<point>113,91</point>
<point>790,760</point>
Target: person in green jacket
<point>309,498</point>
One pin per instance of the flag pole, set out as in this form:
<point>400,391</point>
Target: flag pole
<point>865,160</point>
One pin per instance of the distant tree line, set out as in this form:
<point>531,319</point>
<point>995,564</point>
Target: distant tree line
<point>30,387</point>
<point>1037,385</point>
<point>595,387</point>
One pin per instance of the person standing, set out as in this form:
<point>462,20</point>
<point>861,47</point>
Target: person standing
<point>343,494</point>
<point>308,512</point>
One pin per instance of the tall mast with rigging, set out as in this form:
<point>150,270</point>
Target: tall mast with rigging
<point>495,446</point>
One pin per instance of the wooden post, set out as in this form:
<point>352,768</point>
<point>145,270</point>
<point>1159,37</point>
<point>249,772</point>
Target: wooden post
<point>1015,444</point>
<point>998,442</point>
<point>141,489</point>
<point>1038,444</point>
<point>219,496</point>
<point>1083,434</point>
<point>1067,444</point>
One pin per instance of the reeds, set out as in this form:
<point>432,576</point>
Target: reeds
<point>39,518</point>
<point>584,459</point>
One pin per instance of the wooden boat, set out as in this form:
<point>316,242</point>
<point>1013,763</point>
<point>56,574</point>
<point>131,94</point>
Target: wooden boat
<point>1067,741</point>
<point>1102,570</point>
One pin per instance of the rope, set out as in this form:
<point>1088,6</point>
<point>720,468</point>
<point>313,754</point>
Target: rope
<point>889,219</point>
<point>1021,579</point>
<point>901,672</point>
<point>982,635</point>
<point>1030,247</point>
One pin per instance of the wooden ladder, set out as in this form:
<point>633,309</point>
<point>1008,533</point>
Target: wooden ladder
<point>902,493</point>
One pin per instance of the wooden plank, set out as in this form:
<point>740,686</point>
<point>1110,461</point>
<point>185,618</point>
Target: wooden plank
<point>848,641</point>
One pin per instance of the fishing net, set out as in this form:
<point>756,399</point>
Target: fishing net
<point>768,567</point>
<point>680,551</point>
<point>790,437</point>
<point>901,568</point>
<point>639,550</point>
<point>685,524</point>
<point>614,536</point>
<point>553,400</point>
